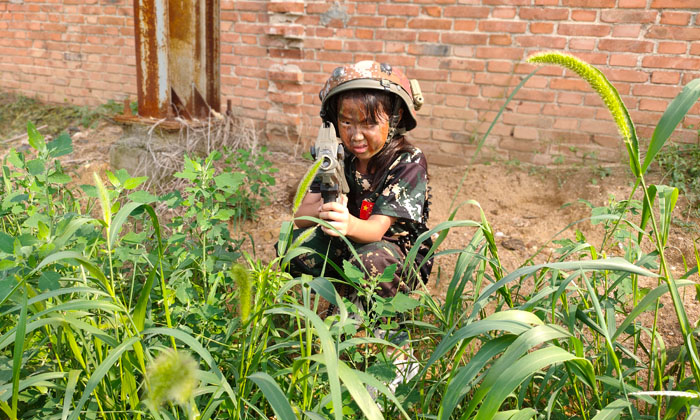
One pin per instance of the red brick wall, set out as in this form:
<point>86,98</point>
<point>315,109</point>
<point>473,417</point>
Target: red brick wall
<point>468,57</point>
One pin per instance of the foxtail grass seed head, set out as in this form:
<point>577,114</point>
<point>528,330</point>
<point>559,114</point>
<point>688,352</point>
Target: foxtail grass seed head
<point>172,377</point>
<point>597,81</point>
<point>244,284</point>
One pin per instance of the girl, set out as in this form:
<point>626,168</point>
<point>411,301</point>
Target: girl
<point>372,106</point>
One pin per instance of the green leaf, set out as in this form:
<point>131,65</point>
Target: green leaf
<point>673,115</point>
<point>59,178</point>
<point>7,243</point>
<point>612,411</point>
<point>278,401</point>
<point>229,180</point>
<point>90,190</point>
<point>61,146</point>
<point>36,140</point>
<point>142,197</point>
<point>49,280</point>
<point>35,167</point>
<point>132,183</point>
<point>403,303</point>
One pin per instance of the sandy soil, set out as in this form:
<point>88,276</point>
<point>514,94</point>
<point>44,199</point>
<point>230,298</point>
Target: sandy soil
<point>527,208</point>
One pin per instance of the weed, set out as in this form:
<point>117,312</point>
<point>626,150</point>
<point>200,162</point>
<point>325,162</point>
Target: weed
<point>679,164</point>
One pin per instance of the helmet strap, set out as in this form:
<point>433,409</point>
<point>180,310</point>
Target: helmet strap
<point>394,121</point>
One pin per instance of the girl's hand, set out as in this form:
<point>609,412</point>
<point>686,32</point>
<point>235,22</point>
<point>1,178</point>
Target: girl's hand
<point>337,215</point>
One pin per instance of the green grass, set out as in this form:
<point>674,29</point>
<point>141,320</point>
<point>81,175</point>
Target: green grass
<point>106,313</point>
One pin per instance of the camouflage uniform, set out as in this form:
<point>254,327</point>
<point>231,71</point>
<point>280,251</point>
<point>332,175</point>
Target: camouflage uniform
<point>402,194</point>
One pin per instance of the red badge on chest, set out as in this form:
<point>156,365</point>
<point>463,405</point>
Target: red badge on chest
<point>366,209</point>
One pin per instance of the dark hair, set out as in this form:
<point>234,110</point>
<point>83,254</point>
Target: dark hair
<point>375,101</point>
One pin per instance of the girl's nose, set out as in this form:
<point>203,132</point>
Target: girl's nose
<point>356,134</point>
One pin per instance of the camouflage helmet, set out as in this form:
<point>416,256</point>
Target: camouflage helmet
<point>379,76</point>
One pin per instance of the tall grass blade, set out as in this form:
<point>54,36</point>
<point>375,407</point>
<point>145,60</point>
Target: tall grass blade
<point>17,355</point>
<point>612,411</point>
<point>461,382</point>
<point>667,202</point>
<point>511,321</point>
<point>515,374</point>
<point>645,304</point>
<point>139,315</point>
<point>330,357</point>
<point>119,220</point>
<point>524,414</point>
<point>112,357</point>
<point>359,392</point>
<point>274,395</point>
<point>73,377</point>
<point>673,115</point>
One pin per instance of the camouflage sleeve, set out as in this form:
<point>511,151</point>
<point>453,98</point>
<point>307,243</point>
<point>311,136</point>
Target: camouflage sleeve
<point>404,192</point>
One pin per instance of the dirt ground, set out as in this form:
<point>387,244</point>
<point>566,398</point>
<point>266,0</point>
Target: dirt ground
<point>527,208</point>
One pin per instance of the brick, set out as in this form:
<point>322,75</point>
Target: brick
<point>624,60</point>
<point>672,32</point>
<point>623,45</point>
<point>541,28</point>
<point>665,47</point>
<point>503,26</point>
<point>675,18</point>
<point>394,35</point>
<point>465,25</point>
<point>440,50</point>
<point>503,12</point>
<point>549,42</point>
<point>655,91</point>
<point>463,38</point>
<point>394,22</point>
<point>524,132</point>
<point>627,31</point>
<point>646,104</point>
<point>500,39</point>
<point>676,63</point>
<point>628,16</point>
<point>432,11</point>
<point>371,21</point>
<point>292,7</point>
<point>500,52</point>
<point>598,4</point>
<point>587,44</point>
<point>496,79</point>
<point>500,66</point>
<point>466,12</point>
<point>422,23</point>
<point>584,15</point>
<point>398,10</point>
<point>580,29</point>
<point>674,4</point>
<point>540,13</point>
<point>665,77</point>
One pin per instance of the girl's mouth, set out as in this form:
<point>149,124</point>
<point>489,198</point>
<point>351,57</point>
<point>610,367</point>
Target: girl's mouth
<point>359,147</point>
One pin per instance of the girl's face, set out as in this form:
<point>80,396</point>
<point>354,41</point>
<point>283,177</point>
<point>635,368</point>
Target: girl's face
<point>360,135</point>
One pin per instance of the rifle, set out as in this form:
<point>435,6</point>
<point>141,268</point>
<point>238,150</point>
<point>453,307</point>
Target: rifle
<point>332,169</point>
